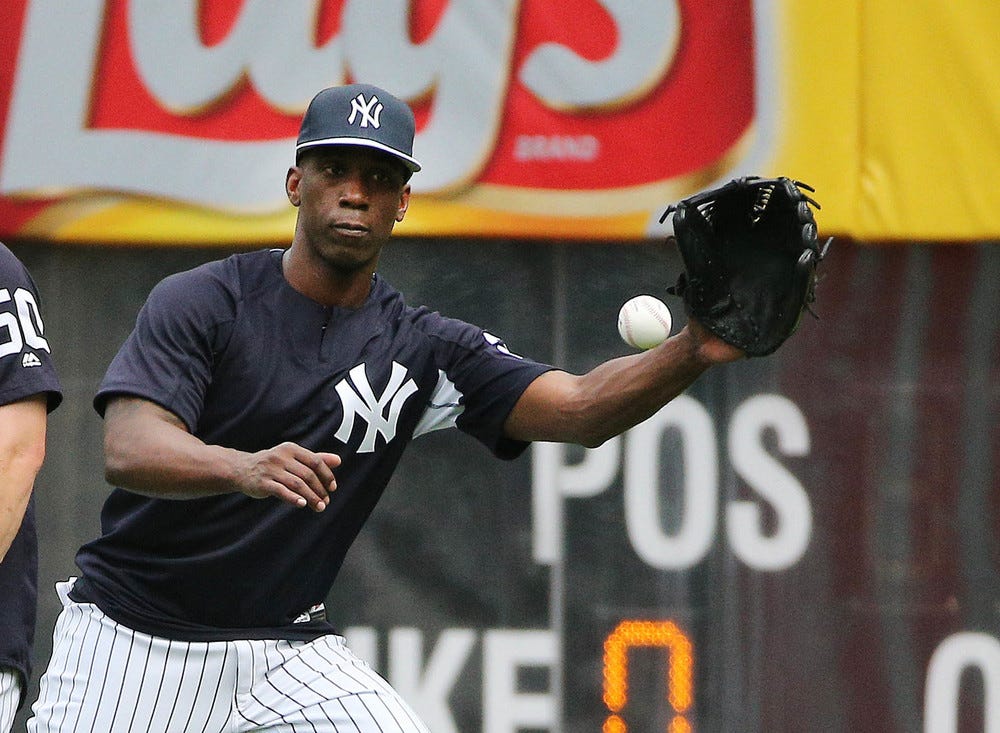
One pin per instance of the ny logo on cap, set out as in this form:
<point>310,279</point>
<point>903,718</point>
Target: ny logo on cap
<point>359,106</point>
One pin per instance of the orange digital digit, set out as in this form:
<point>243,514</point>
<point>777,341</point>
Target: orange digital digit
<point>680,662</point>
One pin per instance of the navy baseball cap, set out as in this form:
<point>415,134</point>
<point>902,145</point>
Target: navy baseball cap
<point>359,114</point>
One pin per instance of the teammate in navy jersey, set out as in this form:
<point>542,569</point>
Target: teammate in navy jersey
<point>252,420</point>
<point>29,390</point>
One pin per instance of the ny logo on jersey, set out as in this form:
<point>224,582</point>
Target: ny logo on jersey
<point>360,107</point>
<point>381,413</point>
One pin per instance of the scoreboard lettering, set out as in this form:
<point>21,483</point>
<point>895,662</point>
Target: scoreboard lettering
<point>636,457</point>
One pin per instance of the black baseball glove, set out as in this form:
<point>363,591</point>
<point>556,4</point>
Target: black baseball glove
<point>750,255</point>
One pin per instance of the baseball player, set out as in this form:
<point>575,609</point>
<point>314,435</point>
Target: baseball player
<point>29,390</point>
<point>252,420</point>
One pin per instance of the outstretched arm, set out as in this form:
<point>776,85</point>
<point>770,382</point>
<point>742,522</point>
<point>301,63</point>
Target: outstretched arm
<point>149,450</point>
<point>22,450</point>
<point>616,395</point>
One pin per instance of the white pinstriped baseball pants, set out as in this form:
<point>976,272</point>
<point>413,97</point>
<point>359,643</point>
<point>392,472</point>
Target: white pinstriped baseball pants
<point>103,677</point>
<point>10,697</point>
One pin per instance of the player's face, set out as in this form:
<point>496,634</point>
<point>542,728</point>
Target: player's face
<point>349,199</point>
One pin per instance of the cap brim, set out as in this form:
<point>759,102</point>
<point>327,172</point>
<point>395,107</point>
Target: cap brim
<point>407,160</point>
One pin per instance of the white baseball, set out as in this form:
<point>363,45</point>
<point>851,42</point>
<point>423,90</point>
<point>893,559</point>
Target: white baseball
<point>644,322</point>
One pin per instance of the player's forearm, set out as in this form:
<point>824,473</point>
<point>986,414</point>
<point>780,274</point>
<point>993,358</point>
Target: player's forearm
<point>148,450</point>
<point>621,393</point>
<point>611,398</point>
<point>177,468</point>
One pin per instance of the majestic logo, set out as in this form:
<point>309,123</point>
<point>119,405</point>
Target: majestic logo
<point>313,613</point>
<point>360,107</point>
<point>381,413</point>
<point>30,360</point>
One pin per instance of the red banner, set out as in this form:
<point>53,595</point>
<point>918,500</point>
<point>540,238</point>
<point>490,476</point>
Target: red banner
<point>115,113</point>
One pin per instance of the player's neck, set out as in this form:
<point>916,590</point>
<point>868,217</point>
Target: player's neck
<point>329,286</point>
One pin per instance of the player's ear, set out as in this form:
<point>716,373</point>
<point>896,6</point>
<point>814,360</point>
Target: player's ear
<point>292,179</point>
<point>404,203</point>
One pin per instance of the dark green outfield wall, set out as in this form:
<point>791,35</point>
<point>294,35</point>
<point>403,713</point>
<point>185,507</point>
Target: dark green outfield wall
<point>819,526</point>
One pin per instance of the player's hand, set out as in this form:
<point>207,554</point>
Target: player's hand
<point>710,348</point>
<point>290,473</point>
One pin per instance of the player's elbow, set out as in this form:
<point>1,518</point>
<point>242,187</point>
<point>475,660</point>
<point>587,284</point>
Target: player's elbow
<point>32,455</point>
<point>119,458</point>
<point>22,439</point>
<point>136,440</point>
<point>20,464</point>
<point>116,465</point>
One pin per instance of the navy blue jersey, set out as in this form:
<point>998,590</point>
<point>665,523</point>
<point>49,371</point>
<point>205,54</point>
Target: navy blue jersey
<point>247,362</point>
<point>25,369</point>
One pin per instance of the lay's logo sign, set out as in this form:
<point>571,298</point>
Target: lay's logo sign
<point>590,107</point>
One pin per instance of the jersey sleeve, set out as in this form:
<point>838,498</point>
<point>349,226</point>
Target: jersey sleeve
<point>26,366</point>
<point>480,381</point>
<point>179,331</point>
